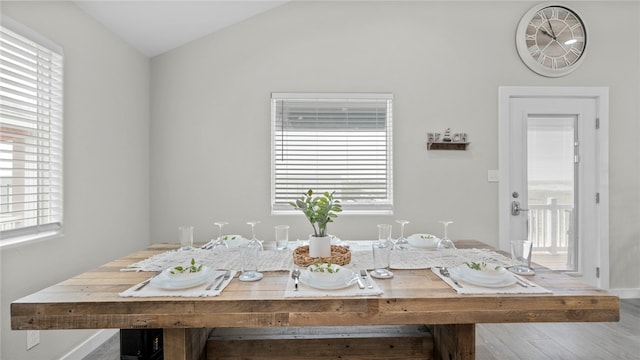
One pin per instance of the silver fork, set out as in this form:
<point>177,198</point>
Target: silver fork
<point>445,272</point>
<point>219,277</point>
<point>146,282</point>
<point>226,277</point>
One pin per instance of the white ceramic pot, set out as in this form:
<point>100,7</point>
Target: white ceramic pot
<point>319,246</point>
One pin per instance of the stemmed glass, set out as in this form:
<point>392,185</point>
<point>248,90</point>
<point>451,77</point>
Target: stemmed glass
<point>249,254</point>
<point>446,243</point>
<point>253,232</point>
<point>401,243</point>
<point>219,243</point>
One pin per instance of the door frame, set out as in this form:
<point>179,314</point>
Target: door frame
<point>601,95</point>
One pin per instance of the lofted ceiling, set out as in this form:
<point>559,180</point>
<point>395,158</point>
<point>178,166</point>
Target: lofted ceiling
<point>156,26</point>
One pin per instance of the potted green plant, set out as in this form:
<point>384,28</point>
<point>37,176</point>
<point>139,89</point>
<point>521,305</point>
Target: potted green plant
<point>319,210</point>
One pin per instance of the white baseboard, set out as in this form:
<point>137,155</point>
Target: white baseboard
<point>626,293</point>
<point>89,345</point>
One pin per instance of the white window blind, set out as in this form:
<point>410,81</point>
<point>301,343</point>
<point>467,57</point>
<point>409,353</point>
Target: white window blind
<point>30,133</point>
<point>332,142</point>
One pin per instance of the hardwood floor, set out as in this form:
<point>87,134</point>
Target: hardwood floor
<point>534,341</point>
<point>541,341</point>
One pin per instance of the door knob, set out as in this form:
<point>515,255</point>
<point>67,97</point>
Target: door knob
<point>516,209</point>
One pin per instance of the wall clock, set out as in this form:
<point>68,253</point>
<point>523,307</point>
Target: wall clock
<point>551,39</point>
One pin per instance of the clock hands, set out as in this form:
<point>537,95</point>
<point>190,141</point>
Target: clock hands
<point>544,31</point>
<point>551,28</point>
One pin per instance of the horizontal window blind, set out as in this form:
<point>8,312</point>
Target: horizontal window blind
<point>332,142</point>
<point>30,135</point>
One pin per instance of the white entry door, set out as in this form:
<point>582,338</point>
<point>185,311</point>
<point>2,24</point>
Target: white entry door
<point>551,191</point>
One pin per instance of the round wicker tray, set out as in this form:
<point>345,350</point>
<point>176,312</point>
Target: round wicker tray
<point>340,255</point>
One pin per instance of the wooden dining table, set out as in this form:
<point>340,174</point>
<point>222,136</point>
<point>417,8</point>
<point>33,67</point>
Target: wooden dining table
<point>411,298</point>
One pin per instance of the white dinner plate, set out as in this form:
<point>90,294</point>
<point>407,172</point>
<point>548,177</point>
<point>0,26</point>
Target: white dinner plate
<point>234,241</point>
<point>168,281</point>
<point>500,279</point>
<point>343,279</point>
<point>423,241</point>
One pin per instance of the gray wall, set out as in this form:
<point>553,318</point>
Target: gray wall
<point>199,137</point>
<point>444,62</point>
<point>106,164</point>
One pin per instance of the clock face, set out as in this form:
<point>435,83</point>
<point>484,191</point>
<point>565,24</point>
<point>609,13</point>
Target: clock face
<point>551,40</point>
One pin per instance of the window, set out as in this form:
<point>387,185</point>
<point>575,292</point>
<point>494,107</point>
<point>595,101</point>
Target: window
<point>332,142</point>
<point>30,134</point>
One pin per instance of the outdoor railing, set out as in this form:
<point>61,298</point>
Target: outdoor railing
<point>550,226</point>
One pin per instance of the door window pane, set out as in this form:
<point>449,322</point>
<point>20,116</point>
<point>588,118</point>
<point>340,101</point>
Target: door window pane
<point>551,177</point>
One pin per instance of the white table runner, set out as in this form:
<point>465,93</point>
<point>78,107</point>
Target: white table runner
<point>282,260</point>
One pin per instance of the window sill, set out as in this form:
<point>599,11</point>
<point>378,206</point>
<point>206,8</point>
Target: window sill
<point>28,239</point>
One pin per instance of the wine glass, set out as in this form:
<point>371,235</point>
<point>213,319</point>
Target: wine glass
<point>249,254</point>
<point>219,243</point>
<point>253,232</point>
<point>401,243</point>
<point>446,243</point>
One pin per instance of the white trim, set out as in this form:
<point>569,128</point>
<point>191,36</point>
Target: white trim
<point>626,293</point>
<point>601,94</point>
<point>25,31</point>
<point>29,239</point>
<point>89,345</point>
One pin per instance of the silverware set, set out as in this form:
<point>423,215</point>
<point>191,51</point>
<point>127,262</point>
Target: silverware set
<point>219,280</point>
<point>365,277</point>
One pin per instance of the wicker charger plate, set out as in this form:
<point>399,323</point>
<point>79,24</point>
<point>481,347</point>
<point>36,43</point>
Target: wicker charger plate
<point>339,255</point>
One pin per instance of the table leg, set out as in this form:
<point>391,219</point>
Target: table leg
<point>454,341</point>
<point>185,344</point>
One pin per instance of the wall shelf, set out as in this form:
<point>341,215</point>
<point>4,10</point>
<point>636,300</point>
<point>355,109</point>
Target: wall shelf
<point>443,145</point>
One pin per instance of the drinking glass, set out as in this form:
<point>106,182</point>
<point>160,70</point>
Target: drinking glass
<point>282,237</point>
<point>521,257</point>
<point>219,243</point>
<point>253,232</point>
<point>382,252</point>
<point>445,243</point>
<point>401,243</point>
<point>249,255</point>
<point>186,237</point>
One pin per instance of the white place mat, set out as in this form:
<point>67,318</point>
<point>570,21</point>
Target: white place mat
<point>305,291</point>
<point>470,289</point>
<point>196,291</point>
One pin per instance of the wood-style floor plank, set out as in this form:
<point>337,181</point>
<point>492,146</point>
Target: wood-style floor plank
<point>563,341</point>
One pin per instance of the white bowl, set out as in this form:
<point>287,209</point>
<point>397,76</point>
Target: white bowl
<point>423,241</point>
<point>234,240</point>
<point>177,280</point>
<point>326,277</point>
<point>488,274</point>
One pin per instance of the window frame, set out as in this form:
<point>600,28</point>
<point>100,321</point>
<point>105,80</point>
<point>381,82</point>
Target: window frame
<point>384,207</point>
<point>46,118</point>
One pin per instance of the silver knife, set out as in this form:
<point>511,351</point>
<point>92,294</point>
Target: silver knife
<point>226,277</point>
<point>219,277</point>
<point>360,284</point>
<point>146,282</point>
<point>363,274</point>
<point>529,283</point>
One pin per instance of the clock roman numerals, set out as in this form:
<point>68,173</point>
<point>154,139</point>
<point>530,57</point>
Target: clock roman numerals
<point>551,39</point>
